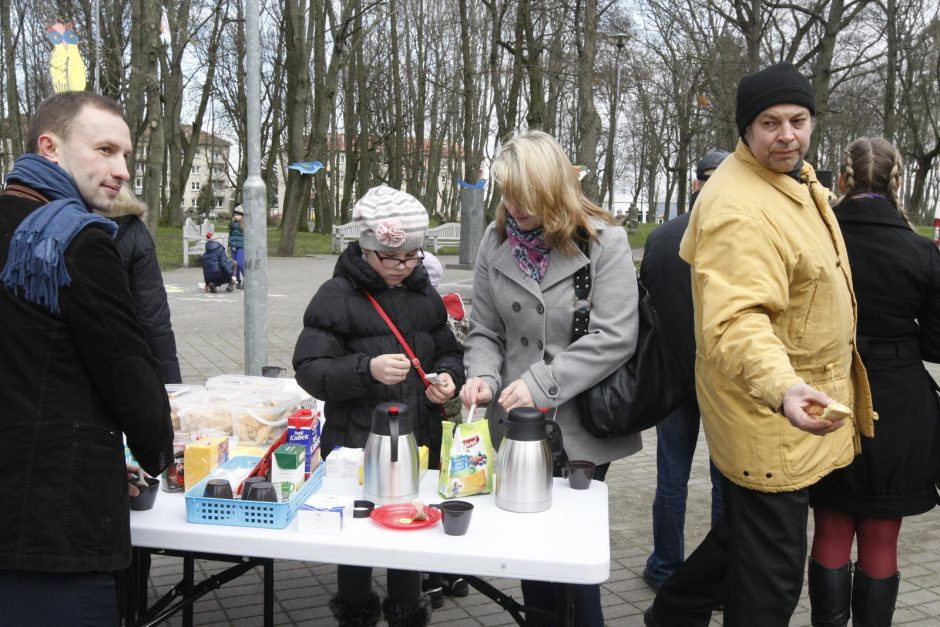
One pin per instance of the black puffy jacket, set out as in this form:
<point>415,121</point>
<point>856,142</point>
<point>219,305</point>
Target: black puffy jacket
<point>216,267</point>
<point>342,332</point>
<point>136,247</point>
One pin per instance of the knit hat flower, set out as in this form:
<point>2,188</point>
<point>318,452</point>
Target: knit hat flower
<point>390,233</point>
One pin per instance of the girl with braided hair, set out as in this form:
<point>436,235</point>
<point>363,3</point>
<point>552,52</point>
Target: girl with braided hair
<point>896,276</point>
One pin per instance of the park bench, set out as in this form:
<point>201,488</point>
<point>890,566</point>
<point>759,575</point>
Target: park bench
<point>447,234</point>
<point>343,233</point>
<point>194,238</point>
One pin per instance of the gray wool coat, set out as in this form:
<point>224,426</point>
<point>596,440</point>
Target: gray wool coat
<point>522,329</point>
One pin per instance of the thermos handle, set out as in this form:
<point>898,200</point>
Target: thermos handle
<point>393,432</point>
<point>556,445</point>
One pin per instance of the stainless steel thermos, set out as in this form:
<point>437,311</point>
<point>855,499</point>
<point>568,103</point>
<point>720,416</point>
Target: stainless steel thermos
<point>524,462</point>
<point>390,473</point>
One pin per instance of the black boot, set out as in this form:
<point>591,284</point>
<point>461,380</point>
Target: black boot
<point>407,614</point>
<point>350,615</point>
<point>873,599</point>
<point>830,594</point>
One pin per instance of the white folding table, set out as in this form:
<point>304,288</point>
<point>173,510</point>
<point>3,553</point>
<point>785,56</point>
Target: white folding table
<point>568,544</point>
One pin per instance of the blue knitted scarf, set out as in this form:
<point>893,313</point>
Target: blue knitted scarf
<point>35,268</point>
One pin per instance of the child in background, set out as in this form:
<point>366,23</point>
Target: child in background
<point>216,269</point>
<point>236,243</point>
<point>348,357</point>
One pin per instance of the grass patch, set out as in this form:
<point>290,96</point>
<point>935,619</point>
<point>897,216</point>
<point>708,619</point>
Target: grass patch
<point>169,241</point>
<point>638,239</point>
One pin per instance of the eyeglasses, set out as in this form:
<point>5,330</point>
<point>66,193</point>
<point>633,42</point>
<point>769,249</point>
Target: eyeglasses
<point>393,262</point>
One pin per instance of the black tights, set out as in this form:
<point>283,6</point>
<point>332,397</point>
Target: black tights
<point>354,585</point>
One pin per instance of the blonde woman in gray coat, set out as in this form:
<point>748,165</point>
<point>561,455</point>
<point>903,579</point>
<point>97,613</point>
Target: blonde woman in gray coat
<point>519,351</point>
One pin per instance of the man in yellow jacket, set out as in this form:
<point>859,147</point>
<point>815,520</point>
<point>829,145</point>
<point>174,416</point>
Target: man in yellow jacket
<point>775,320</point>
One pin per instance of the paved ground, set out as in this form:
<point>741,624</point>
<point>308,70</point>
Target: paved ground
<point>210,339</point>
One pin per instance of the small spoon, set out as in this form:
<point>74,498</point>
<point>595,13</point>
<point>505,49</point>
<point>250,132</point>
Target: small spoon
<point>141,482</point>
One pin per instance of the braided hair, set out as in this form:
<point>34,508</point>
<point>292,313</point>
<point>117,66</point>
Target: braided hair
<point>872,164</point>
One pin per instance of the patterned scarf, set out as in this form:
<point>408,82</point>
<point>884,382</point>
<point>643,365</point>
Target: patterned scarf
<point>528,248</point>
<point>35,268</point>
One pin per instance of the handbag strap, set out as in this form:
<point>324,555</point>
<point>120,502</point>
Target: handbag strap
<point>401,340</point>
<point>582,292</point>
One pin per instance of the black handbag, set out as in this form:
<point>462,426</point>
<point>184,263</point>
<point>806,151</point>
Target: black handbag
<point>643,391</point>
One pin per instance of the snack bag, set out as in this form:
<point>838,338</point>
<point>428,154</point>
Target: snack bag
<point>466,460</point>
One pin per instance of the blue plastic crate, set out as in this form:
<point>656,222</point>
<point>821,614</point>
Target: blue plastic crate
<point>238,513</point>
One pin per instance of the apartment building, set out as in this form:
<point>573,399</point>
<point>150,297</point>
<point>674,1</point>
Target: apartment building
<point>211,168</point>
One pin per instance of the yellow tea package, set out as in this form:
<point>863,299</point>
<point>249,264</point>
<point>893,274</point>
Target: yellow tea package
<point>466,460</point>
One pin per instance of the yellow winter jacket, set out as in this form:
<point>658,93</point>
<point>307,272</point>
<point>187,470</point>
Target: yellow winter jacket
<point>774,307</point>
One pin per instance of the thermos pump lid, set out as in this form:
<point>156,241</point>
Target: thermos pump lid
<point>525,424</point>
<point>395,411</point>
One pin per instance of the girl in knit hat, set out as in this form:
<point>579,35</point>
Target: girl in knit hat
<point>348,357</point>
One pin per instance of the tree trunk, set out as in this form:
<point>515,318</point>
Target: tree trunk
<point>156,142</point>
<point>469,163</point>
<point>891,70</point>
<point>589,122</point>
<point>822,77</point>
<point>397,148</point>
<point>13,131</point>
<point>297,193</point>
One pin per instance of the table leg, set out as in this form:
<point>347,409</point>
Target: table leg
<point>141,577</point>
<point>565,605</point>
<point>268,593</point>
<point>189,575</point>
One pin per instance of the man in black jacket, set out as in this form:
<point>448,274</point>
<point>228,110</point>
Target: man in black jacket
<point>76,371</point>
<point>668,279</point>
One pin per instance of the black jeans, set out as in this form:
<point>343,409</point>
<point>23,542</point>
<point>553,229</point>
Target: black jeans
<point>35,599</point>
<point>752,561</point>
<point>587,598</point>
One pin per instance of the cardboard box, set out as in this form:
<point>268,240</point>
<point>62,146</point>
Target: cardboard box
<point>303,428</point>
<point>311,519</point>
<point>202,457</point>
<point>287,470</point>
<point>329,501</point>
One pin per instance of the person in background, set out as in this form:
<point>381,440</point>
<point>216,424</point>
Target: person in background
<point>139,258</point>
<point>519,351</point>
<point>775,323</point>
<point>216,269</point>
<point>438,586</point>
<point>76,369</point>
<point>349,357</point>
<point>236,244</point>
<point>434,268</point>
<point>668,280</point>
<point>897,285</point>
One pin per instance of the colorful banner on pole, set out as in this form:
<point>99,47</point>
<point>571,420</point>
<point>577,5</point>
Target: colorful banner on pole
<point>66,64</point>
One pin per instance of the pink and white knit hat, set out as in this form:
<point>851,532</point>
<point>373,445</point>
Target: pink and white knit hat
<point>390,220</point>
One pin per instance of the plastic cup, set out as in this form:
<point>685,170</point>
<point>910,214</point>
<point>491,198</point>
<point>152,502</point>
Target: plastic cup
<point>455,517</point>
<point>579,473</point>
<point>263,491</point>
<point>249,484</point>
<point>218,489</point>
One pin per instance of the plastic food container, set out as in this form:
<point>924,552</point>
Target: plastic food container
<point>177,393</point>
<point>208,411</point>
<point>260,417</point>
<point>244,383</point>
<point>239,513</point>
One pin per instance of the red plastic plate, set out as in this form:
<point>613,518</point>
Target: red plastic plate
<point>398,516</point>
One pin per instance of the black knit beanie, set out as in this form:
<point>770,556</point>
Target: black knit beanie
<point>781,83</point>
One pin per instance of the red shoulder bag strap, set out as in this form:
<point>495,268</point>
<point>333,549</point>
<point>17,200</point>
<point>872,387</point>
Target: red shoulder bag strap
<point>401,340</point>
